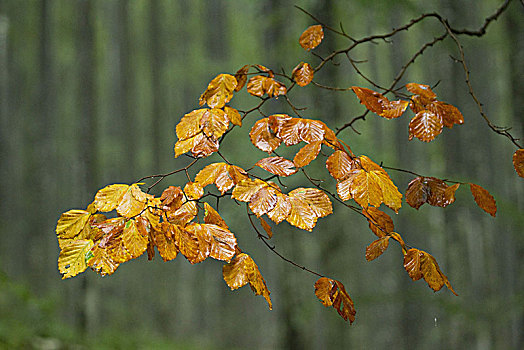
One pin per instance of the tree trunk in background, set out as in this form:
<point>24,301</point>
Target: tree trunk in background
<point>88,142</point>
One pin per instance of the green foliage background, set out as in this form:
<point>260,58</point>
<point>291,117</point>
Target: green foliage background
<point>90,92</point>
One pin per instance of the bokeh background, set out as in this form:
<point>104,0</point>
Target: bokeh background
<point>90,92</point>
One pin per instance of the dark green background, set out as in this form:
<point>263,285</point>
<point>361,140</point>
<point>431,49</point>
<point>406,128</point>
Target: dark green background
<point>90,92</point>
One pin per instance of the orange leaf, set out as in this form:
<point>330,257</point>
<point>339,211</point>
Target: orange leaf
<point>242,270</point>
<point>307,154</point>
<point>430,190</point>
<point>211,216</point>
<point>412,263</point>
<point>339,165</point>
<point>186,242</point>
<point>274,88</point>
<point>301,214</point>
<point>484,199</point>
<point>303,74</point>
<point>311,130</point>
<point>281,210</point>
<point>193,190</point>
<point>379,104</point>
<point>518,161</point>
<point>101,262</point>
<point>277,166</point>
<point>332,293</point>
<point>172,197</point>
<point>262,137</point>
<point>241,77</point>
<point>244,190</point>
<point>219,91</point>
<point>263,201</point>
<point>379,222</point>
<point>450,114</point>
<point>286,128</point>
<point>165,241</point>
<point>184,214</point>
<point>204,146</point>
<point>214,123</point>
<point>432,273</point>
<point>425,126</point>
<point>422,90</point>
<point>311,37</point>
<point>376,248</point>
<point>266,227</point>
<point>134,242</point>
<point>317,200</point>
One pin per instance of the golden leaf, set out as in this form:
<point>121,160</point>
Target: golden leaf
<point>263,201</point>
<point>72,258</point>
<point>255,85</point>
<point>484,199</point>
<point>211,216</point>
<point>317,200</point>
<point>71,223</point>
<point>379,222</point>
<point>101,261</point>
<point>301,214</point>
<point>193,190</point>
<point>307,154</point>
<point>214,241</point>
<point>432,273</point>
<point>277,166</point>
<point>450,114</point>
<point>165,241</point>
<point>266,227</point>
<point>518,161</point>
<point>262,137</point>
<point>233,115</point>
<point>184,214</point>
<point>340,165</point>
<point>109,197</point>
<point>376,248</point>
<point>219,91</point>
<point>186,242</point>
<point>303,74</point>
<point>333,293</point>
<point>204,146</point>
<point>281,210</point>
<point>425,126</point>
<point>412,263</point>
<point>134,242</point>
<point>422,90</point>
<point>190,124</point>
<point>133,202</point>
<point>311,37</point>
<point>379,104</point>
<point>244,190</point>
<point>172,197</point>
<point>214,123</point>
<point>274,88</point>
<point>242,270</point>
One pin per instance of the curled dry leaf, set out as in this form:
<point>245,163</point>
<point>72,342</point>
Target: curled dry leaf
<point>333,293</point>
<point>219,91</point>
<point>311,37</point>
<point>243,270</point>
<point>518,161</point>
<point>303,74</point>
<point>277,165</point>
<point>377,247</point>
<point>379,104</point>
<point>484,199</point>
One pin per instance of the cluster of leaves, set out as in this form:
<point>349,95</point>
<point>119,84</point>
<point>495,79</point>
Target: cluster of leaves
<point>138,221</point>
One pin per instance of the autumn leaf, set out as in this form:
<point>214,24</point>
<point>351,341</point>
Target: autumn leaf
<point>193,190</point>
<point>190,124</point>
<point>101,261</point>
<point>377,247</point>
<point>233,115</point>
<point>72,258</point>
<point>450,114</point>
<point>303,74</point>
<point>183,215</point>
<point>379,104</point>
<point>301,214</point>
<point>165,241</point>
<point>430,190</point>
<point>277,166</point>
<point>281,210</point>
<point>133,202</point>
<point>484,199</point>
<point>243,270</point>
<point>518,161</point>
<point>412,264</point>
<point>172,197</point>
<point>204,146</point>
<point>311,37</point>
<point>339,165</point>
<point>307,154</point>
<point>219,91</point>
<point>263,200</point>
<point>266,227</point>
<point>134,242</point>
<point>214,123</point>
<point>211,216</point>
<point>317,200</point>
<point>262,137</point>
<point>380,223</point>
<point>333,293</point>
<point>71,223</point>
<point>108,198</point>
<point>260,85</point>
<point>423,91</point>
<point>186,242</point>
<point>425,126</point>
<point>244,190</point>
<point>241,77</point>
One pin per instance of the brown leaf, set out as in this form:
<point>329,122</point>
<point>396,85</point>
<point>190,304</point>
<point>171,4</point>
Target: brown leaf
<point>307,154</point>
<point>518,161</point>
<point>379,104</point>
<point>219,91</point>
<point>241,77</point>
<point>286,128</point>
<point>311,37</point>
<point>412,263</point>
<point>303,74</point>
<point>423,91</point>
<point>204,146</point>
<point>242,270</point>
<point>277,166</point>
<point>332,293</point>
<point>274,88</point>
<point>376,248</point>
<point>260,85</point>
<point>172,197</point>
<point>379,222</point>
<point>262,137</point>
<point>425,126</point>
<point>266,227</point>
<point>430,190</point>
<point>184,214</point>
<point>484,199</point>
<point>450,114</point>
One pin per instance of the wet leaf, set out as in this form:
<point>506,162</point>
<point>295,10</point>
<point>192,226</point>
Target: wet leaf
<point>430,190</point>
<point>214,123</point>
<point>301,214</point>
<point>281,210</point>
<point>165,241</point>
<point>263,201</point>
<point>204,146</point>
<point>101,261</point>
<point>340,165</point>
<point>211,216</point>
<point>260,85</point>
<point>379,104</point>
<point>133,202</point>
<point>518,161</point>
<point>317,200</point>
<point>190,124</point>
<point>450,114</point>
<point>484,199</point>
<point>303,74</point>
<point>379,222</point>
<point>72,258</point>
<point>332,293</point>
<point>184,214</point>
<point>71,223</point>
<point>241,77</point>
<point>423,91</point>
<point>266,227</point>
<point>307,154</point>
<point>219,91</point>
<point>277,166</point>
<point>244,190</point>
<point>134,242</point>
<point>432,273</point>
<point>186,242</point>
<point>425,126</point>
<point>108,198</point>
<point>262,137</point>
<point>172,197</point>
<point>311,37</point>
<point>412,264</point>
<point>376,248</point>
<point>233,115</point>
<point>243,270</point>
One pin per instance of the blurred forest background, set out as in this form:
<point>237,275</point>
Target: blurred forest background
<point>90,92</point>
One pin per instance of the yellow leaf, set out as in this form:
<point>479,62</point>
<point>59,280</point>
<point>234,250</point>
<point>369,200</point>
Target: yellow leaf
<point>281,210</point>
<point>376,248</point>
<point>262,137</point>
<point>71,223</point>
<point>379,222</point>
<point>190,124</point>
<point>307,154</point>
<point>301,214</point>
<point>72,258</point>
<point>233,115</point>
<point>109,197</point>
<point>242,270</point>
<point>432,274</point>
<point>193,190</point>
<point>101,262</point>
<point>211,216</point>
<point>165,241</point>
<point>219,91</point>
<point>133,202</point>
<point>134,242</point>
<point>214,123</point>
<point>317,200</point>
<point>186,242</point>
<point>263,201</point>
<point>184,214</point>
<point>244,190</point>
